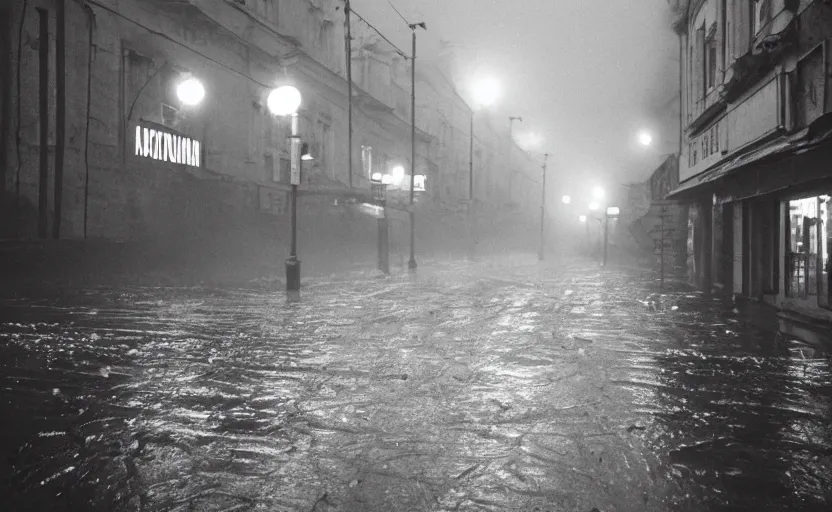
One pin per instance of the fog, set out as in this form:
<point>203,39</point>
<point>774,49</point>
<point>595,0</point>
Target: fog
<point>585,75</point>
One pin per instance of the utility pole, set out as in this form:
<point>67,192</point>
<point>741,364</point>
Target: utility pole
<point>413,26</point>
<point>541,252</point>
<point>510,148</point>
<point>348,39</point>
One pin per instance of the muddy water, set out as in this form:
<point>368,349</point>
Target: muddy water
<point>500,386</point>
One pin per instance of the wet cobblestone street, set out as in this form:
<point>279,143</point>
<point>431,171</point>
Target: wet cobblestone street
<point>501,385</point>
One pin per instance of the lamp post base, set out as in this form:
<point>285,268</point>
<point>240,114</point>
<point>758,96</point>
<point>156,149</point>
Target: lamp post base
<point>292,274</point>
<point>412,264</point>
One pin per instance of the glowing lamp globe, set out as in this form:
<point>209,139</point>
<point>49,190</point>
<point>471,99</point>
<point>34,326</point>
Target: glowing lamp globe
<point>398,173</point>
<point>190,92</point>
<point>284,101</point>
<point>582,218</point>
<point>645,139</point>
<point>593,206</point>
<point>486,92</point>
<point>566,199</point>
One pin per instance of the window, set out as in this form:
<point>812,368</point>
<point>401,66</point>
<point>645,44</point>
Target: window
<point>367,161</point>
<point>809,248</point>
<point>760,15</point>
<point>710,58</point>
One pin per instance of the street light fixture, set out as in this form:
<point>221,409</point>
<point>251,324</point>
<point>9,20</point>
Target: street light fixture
<point>598,193</point>
<point>190,92</point>
<point>566,199</point>
<point>285,101</point>
<point>582,218</point>
<point>594,206</point>
<point>645,138</point>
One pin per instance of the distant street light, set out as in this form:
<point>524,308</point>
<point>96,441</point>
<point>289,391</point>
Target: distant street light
<point>398,175</point>
<point>594,206</point>
<point>598,193</point>
<point>190,92</point>
<point>566,199</point>
<point>644,138</point>
<point>613,211</point>
<point>582,218</point>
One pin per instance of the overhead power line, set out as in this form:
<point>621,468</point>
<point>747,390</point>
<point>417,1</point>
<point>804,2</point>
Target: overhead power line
<point>377,31</point>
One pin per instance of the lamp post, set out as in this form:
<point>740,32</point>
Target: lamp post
<point>285,101</point>
<point>485,93</point>
<point>411,264</point>
<point>540,254</point>
<point>611,212</point>
<point>379,189</point>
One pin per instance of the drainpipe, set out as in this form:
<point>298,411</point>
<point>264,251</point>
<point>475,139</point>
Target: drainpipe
<point>43,185</point>
<point>60,114</point>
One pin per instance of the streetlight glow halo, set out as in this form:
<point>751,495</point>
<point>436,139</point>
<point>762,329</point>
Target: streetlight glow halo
<point>486,92</point>
<point>284,101</point>
<point>566,199</point>
<point>190,91</point>
<point>645,138</point>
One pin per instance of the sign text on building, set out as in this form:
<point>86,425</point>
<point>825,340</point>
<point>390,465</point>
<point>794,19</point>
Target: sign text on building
<point>167,147</point>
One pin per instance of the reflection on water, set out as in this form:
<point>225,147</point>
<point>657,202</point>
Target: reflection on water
<point>564,390</point>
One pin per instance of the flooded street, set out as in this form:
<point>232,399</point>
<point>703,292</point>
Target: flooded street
<point>500,385</point>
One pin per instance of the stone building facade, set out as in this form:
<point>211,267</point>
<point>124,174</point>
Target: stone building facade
<point>122,61</point>
<point>757,114</point>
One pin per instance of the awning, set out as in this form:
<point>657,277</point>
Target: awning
<point>781,148</point>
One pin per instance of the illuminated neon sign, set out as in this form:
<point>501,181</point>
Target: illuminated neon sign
<point>167,147</point>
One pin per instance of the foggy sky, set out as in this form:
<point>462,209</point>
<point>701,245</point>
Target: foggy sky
<point>587,75</point>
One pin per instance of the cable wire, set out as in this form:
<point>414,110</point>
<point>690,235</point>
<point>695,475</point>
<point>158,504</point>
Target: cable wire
<point>398,50</point>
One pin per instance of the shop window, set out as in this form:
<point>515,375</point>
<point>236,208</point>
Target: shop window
<point>808,251</point>
<point>825,220</point>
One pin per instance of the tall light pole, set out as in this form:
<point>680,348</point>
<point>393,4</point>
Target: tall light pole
<point>285,101</point>
<point>540,254</point>
<point>511,120</point>
<point>485,93</point>
<point>413,26</point>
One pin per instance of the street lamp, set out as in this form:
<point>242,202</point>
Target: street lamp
<point>190,91</point>
<point>645,138</point>
<point>566,199</point>
<point>485,92</point>
<point>598,193</point>
<point>594,205</point>
<point>611,213</point>
<point>582,218</point>
<point>411,264</point>
<point>285,101</point>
